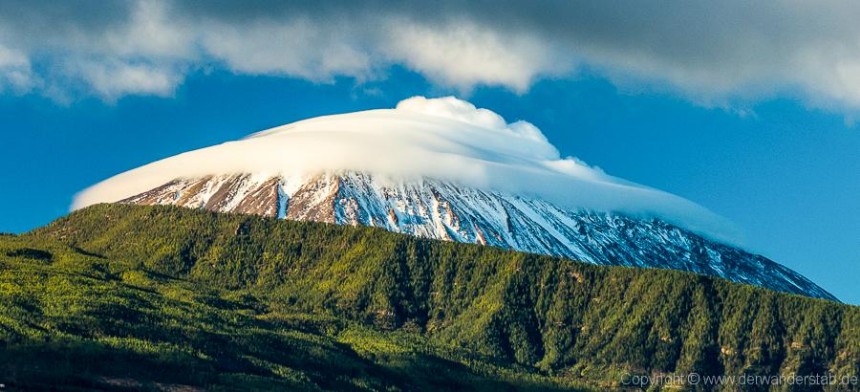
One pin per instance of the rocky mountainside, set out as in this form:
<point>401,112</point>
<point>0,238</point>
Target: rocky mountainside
<point>443,210</point>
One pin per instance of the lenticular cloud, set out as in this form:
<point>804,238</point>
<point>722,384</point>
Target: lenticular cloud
<point>443,138</point>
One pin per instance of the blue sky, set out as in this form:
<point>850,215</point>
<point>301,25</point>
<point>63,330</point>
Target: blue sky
<point>745,108</point>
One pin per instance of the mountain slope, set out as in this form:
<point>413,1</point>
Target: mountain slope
<point>443,210</point>
<point>71,320</point>
<point>572,321</point>
<point>444,169</point>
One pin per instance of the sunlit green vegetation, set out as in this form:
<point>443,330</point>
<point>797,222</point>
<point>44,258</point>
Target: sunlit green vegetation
<point>148,297</point>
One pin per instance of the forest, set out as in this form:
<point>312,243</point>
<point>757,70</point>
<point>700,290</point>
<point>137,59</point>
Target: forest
<point>157,298</point>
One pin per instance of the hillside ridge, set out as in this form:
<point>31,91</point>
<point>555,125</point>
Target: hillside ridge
<point>444,210</point>
<point>558,317</point>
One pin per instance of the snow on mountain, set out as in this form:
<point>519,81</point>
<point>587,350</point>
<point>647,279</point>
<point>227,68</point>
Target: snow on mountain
<point>443,169</point>
<point>445,139</point>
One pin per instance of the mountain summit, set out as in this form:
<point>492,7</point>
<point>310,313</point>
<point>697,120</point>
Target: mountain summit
<point>444,169</point>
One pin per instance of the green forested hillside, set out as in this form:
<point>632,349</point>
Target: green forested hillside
<point>134,296</point>
<point>74,320</point>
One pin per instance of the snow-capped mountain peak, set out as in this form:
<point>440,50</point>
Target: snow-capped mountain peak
<point>444,169</point>
<point>445,139</point>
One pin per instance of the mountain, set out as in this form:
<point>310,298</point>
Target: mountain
<point>446,211</point>
<point>122,297</point>
<point>443,169</point>
<point>75,320</point>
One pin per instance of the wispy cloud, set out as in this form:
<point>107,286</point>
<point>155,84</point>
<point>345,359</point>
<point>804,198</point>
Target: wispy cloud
<point>710,52</point>
<point>15,72</point>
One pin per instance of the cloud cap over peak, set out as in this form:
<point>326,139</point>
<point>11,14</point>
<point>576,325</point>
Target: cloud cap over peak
<point>445,139</point>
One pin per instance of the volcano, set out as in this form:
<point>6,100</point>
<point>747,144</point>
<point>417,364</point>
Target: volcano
<point>444,169</point>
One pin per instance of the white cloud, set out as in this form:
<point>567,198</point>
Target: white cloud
<point>445,139</point>
<point>463,55</point>
<point>710,52</point>
<point>114,79</point>
<point>15,72</point>
<point>149,33</point>
<point>295,47</point>
<point>521,137</point>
